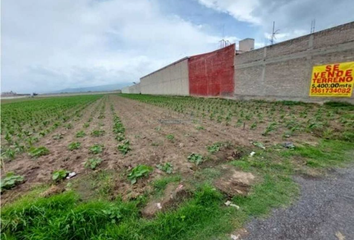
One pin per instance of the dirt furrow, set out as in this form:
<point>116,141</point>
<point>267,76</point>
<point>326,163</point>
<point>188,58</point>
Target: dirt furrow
<point>149,127</point>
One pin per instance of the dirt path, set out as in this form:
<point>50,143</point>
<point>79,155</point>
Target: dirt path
<point>324,211</point>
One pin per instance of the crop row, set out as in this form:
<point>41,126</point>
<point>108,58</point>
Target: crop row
<point>19,139</point>
<point>119,131</point>
<point>285,118</point>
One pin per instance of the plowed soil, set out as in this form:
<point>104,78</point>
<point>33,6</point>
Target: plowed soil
<point>147,128</point>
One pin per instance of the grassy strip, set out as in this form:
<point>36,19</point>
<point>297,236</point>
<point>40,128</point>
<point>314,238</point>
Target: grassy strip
<point>201,217</point>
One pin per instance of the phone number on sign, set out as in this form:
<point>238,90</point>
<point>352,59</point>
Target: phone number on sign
<point>330,90</point>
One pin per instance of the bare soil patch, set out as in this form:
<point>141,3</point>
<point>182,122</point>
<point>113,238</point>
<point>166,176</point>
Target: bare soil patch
<point>234,182</point>
<point>174,194</point>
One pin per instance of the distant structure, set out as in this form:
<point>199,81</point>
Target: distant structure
<point>246,45</point>
<point>8,94</point>
<point>13,94</point>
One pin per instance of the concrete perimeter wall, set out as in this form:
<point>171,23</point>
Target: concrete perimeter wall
<point>170,80</point>
<point>132,89</point>
<point>283,71</point>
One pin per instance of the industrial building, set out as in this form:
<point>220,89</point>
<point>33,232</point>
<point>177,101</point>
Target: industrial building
<point>283,71</point>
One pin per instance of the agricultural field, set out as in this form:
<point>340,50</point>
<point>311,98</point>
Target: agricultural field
<point>158,167</point>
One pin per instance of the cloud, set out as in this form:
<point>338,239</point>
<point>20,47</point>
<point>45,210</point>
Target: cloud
<point>50,45</point>
<point>239,9</point>
<point>293,17</point>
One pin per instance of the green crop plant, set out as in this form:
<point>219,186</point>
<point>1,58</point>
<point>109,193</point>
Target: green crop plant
<point>27,133</point>
<point>19,148</point>
<point>96,149</point>
<point>214,148</point>
<point>170,137</point>
<point>270,127</point>
<point>58,136</point>
<point>9,153</point>
<point>65,119</point>
<point>199,127</point>
<point>98,133</point>
<point>8,138</point>
<point>80,134</point>
<point>31,140</point>
<point>139,172</point>
<point>39,151</point>
<point>69,126</point>
<point>42,133</point>
<point>124,147</point>
<point>93,163</point>
<point>74,145</point>
<point>167,167</point>
<point>253,126</point>
<point>120,137</point>
<point>86,125</point>
<point>10,181</point>
<point>59,175</point>
<point>195,158</point>
<point>118,126</point>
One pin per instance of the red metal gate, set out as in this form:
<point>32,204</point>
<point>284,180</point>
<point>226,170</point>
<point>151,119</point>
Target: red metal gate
<point>212,74</point>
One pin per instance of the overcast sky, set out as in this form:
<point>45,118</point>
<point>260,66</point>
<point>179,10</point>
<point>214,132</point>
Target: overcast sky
<point>49,45</point>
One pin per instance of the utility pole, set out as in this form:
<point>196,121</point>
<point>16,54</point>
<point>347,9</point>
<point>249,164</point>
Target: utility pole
<point>274,32</point>
<point>313,26</point>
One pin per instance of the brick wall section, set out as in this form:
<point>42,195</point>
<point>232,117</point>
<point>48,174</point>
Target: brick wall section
<point>283,71</point>
<point>288,47</point>
<point>211,74</point>
<point>251,56</point>
<point>330,37</point>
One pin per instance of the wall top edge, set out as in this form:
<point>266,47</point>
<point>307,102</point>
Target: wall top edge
<point>180,60</point>
<point>199,55</point>
<point>319,33</point>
